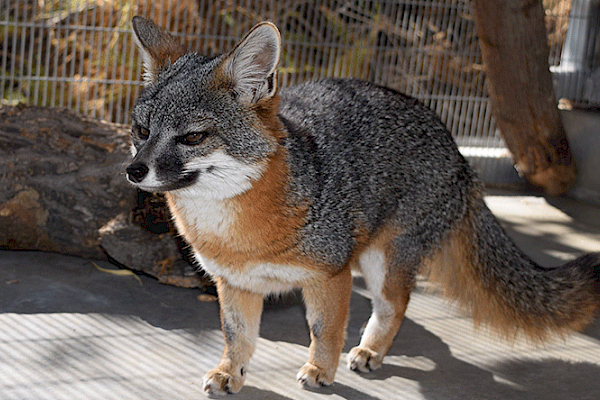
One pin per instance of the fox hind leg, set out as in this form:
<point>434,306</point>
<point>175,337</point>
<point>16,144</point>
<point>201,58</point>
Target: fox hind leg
<point>390,286</point>
<point>327,306</point>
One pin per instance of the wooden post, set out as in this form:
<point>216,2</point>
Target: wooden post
<point>513,41</point>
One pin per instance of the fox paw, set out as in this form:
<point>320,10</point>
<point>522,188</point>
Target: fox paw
<point>219,382</point>
<point>311,375</point>
<point>363,359</point>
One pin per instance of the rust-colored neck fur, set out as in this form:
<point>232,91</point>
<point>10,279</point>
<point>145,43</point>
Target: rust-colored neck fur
<point>265,223</point>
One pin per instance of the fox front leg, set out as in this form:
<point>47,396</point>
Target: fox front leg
<point>240,320</point>
<point>327,305</point>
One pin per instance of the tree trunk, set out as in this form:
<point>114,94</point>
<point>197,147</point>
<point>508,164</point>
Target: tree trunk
<point>513,41</point>
<point>62,189</point>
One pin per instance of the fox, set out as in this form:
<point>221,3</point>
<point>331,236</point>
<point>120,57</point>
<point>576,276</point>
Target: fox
<point>293,188</point>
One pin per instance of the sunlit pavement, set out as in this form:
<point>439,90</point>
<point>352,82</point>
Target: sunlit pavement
<point>71,331</point>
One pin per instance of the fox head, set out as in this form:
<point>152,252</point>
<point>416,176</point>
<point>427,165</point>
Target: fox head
<point>202,124</point>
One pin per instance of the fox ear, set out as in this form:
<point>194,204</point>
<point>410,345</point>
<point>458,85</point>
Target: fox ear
<point>251,66</point>
<point>158,48</point>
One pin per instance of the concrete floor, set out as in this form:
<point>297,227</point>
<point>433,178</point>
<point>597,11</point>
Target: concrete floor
<point>71,331</point>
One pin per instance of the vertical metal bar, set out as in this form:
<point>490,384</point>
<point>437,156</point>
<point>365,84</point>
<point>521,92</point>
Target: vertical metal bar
<point>168,21</point>
<point>417,64</point>
<point>13,55</point>
<point>200,28</point>
<point>447,103</point>
<point>74,49</point>
<point>383,49</point>
<point>116,115</point>
<point>301,52</point>
<point>344,49</point>
<point>32,31</point>
<point>456,82</point>
<point>127,70</point>
<point>22,66</point>
<point>42,34</point>
<point>476,91</point>
<point>354,67</point>
<point>84,73</point>
<point>102,86</point>
<point>226,31</point>
<point>305,49</point>
<point>47,64</point>
<point>107,112</point>
<point>485,127</point>
<point>335,59</point>
<point>309,47</point>
<point>464,117</point>
<point>286,47</point>
<point>374,65</point>
<point>63,51</point>
<point>101,57</point>
<point>139,64</point>
<point>479,83</point>
<point>220,29</point>
<point>320,71</point>
<point>215,20</point>
<point>435,70</point>
<point>390,69</point>
<point>412,24</point>
<point>127,85</point>
<point>393,54</point>
<point>464,90</point>
<point>4,58</point>
<point>380,51</point>
<point>159,6</point>
<point>290,78</point>
<point>572,50</point>
<point>131,61</point>
<point>353,49</point>
<point>58,38</point>
<point>82,85</point>
<point>263,11</point>
<point>181,21</point>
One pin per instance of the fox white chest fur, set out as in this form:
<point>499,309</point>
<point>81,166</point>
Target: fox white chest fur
<point>199,215</point>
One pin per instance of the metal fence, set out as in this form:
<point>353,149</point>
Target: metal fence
<point>80,54</point>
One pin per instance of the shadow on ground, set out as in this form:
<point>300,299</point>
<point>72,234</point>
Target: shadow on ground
<point>171,330</point>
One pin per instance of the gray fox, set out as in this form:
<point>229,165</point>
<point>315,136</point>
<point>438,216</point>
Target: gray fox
<point>282,189</point>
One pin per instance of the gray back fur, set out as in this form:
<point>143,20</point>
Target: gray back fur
<point>366,155</point>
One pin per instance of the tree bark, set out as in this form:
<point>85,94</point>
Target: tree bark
<point>62,189</point>
<point>513,41</point>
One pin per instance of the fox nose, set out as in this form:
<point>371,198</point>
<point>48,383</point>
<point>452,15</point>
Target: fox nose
<point>136,172</point>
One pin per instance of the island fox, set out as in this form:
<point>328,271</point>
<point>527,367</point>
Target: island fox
<point>276,190</point>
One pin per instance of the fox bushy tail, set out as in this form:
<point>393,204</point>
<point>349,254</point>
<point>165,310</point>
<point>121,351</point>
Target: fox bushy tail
<point>481,267</point>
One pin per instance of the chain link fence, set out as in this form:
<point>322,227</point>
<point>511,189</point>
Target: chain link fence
<point>80,53</point>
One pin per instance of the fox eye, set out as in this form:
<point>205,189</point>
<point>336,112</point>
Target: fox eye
<point>193,138</point>
<point>140,132</point>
